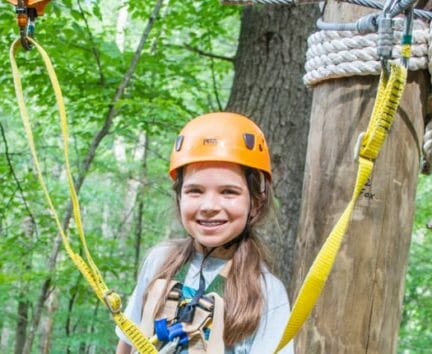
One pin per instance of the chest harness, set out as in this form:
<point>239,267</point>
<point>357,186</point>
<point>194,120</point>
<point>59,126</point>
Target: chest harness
<point>190,319</point>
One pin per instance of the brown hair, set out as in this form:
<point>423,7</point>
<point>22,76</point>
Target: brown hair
<point>243,295</point>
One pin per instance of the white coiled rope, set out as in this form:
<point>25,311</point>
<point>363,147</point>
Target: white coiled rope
<point>336,54</point>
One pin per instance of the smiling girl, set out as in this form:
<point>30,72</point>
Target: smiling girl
<point>212,292</point>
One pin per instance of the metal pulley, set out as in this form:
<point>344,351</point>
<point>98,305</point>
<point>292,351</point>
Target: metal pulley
<point>27,11</point>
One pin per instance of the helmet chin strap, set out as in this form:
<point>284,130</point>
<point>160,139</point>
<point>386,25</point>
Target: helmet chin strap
<point>239,238</point>
<point>187,313</point>
<point>189,310</point>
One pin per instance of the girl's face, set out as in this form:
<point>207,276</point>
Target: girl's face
<point>214,202</point>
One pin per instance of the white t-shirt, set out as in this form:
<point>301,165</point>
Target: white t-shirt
<point>273,320</point>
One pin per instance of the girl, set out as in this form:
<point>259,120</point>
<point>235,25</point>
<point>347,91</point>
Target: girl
<point>213,292</point>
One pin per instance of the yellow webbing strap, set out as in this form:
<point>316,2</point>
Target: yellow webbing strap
<point>88,269</point>
<point>387,101</point>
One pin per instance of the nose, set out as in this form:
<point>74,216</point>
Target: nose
<point>210,203</point>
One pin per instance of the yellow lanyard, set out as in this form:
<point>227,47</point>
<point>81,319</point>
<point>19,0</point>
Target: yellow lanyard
<point>87,267</point>
<point>387,101</point>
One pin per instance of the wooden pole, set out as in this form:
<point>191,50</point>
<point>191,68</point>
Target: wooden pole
<point>359,309</point>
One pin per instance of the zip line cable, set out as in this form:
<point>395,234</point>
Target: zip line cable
<point>373,4</point>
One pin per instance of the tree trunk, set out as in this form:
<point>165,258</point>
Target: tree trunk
<point>359,309</point>
<point>134,185</point>
<point>21,327</point>
<point>141,154</point>
<point>5,338</point>
<point>28,229</point>
<point>90,349</point>
<point>268,88</point>
<point>73,297</point>
<point>47,323</point>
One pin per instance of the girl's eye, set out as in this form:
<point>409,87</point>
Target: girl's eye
<point>193,191</point>
<point>230,192</point>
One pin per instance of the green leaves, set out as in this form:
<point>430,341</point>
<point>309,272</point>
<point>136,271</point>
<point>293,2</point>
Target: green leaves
<point>126,199</point>
<point>416,326</point>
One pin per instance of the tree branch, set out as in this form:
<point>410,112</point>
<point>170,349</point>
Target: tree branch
<point>94,50</point>
<point>207,54</point>
<point>112,112</point>
<point>215,90</point>
<point>12,171</point>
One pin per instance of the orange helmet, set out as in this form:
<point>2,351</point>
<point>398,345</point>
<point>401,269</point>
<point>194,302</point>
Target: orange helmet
<point>221,136</point>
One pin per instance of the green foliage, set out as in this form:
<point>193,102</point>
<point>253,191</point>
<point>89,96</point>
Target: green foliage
<point>416,326</point>
<point>171,83</point>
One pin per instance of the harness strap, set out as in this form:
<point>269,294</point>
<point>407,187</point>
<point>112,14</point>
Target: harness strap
<point>155,293</point>
<point>208,312</point>
<point>87,267</point>
<point>387,101</point>
<point>216,342</point>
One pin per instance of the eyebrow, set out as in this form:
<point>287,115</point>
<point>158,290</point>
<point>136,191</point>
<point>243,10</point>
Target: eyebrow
<point>195,185</point>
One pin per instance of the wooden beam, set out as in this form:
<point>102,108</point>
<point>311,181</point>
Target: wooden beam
<point>360,307</point>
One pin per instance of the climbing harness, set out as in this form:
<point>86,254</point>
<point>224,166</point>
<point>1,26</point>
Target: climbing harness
<point>87,267</point>
<point>187,316</point>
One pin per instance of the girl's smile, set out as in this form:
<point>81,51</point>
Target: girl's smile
<point>214,202</point>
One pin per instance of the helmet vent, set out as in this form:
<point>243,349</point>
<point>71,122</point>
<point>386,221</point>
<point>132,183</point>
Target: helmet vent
<point>249,140</point>
<point>179,142</point>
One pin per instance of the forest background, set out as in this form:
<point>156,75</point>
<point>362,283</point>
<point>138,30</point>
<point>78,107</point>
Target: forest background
<point>120,144</point>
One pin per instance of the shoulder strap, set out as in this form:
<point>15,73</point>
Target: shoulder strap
<point>153,296</point>
<point>216,342</point>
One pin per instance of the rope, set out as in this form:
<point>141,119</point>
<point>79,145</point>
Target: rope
<point>337,54</point>
<point>258,2</point>
<point>427,147</point>
<point>426,15</point>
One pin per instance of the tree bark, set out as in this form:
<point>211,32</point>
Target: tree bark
<point>28,229</point>
<point>73,297</point>
<point>47,324</point>
<point>4,337</point>
<point>359,309</point>
<point>268,88</point>
<point>140,200</point>
<point>21,327</point>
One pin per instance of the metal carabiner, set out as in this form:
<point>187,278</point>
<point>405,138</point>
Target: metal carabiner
<point>406,39</point>
<point>385,36</point>
<point>27,11</point>
<point>23,22</point>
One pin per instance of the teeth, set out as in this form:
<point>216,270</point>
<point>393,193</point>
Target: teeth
<point>211,223</point>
